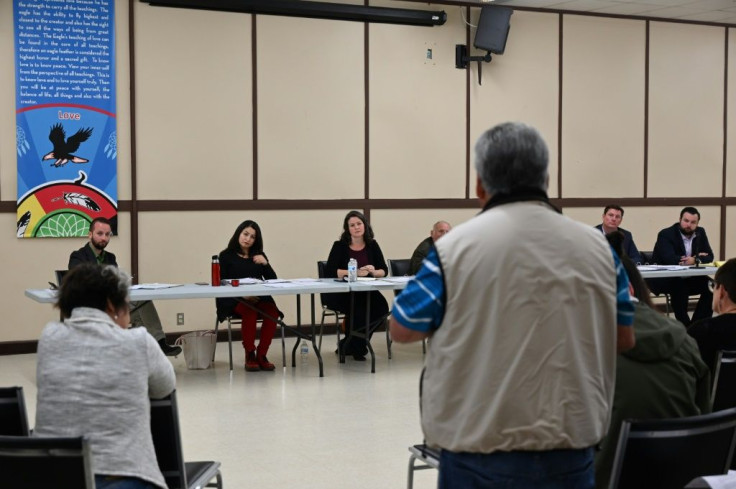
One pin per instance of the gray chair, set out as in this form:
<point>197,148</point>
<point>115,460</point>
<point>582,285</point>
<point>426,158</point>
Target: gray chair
<point>428,457</point>
<point>672,452</point>
<point>31,462</point>
<point>326,311</point>
<point>167,443</point>
<point>13,417</point>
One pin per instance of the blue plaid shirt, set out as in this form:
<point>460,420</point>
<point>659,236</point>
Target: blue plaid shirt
<point>421,306</point>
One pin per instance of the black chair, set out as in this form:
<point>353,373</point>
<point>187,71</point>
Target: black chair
<point>13,417</point>
<point>41,463</point>
<point>648,259</point>
<point>669,453</point>
<point>326,311</point>
<point>59,275</point>
<point>167,442</point>
<point>723,394</point>
<point>429,457</point>
<point>400,268</point>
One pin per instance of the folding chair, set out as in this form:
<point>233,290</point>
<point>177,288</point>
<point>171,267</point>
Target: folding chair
<point>13,417</point>
<point>673,452</point>
<point>39,462</point>
<point>429,457</point>
<point>167,443</point>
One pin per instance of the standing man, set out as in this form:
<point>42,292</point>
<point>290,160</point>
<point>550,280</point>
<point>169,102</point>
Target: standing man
<point>439,229</point>
<point>519,376</point>
<point>612,217</point>
<point>142,313</point>
<point>684,243</point>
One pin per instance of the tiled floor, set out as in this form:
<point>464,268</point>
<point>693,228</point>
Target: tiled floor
<point>290,428</point>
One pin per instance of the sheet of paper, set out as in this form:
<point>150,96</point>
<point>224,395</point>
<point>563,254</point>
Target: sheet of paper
<point>249,281</point>
<point>404,279</point>
<point>284,285</point>
<point>153,286</point>
<point>306,281</point>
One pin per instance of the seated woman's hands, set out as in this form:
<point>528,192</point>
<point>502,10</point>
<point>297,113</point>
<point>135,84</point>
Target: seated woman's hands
<point>260,260</point>
<point>366,271</point>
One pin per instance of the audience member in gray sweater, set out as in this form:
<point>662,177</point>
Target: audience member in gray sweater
<point>95,378</point>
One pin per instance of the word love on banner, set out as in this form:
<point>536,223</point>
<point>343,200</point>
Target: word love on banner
<point>66,129</point>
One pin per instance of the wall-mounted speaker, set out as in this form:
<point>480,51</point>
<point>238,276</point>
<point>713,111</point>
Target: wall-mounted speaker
<point>493,29</point>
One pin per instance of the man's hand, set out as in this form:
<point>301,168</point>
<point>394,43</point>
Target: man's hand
<point>687,260</point>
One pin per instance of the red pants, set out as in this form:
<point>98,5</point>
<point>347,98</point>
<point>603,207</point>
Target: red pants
<point>249,316</point>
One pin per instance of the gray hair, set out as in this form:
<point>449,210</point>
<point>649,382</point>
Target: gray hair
<point>511,156</point>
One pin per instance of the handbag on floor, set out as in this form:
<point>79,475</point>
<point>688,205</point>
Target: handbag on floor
<point>199,348</point>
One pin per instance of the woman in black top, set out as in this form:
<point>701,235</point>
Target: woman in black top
<point>719,332</point>
<point>244,258</point>
<point>357,242</point>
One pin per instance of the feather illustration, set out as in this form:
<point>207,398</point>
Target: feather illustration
<point>74,198</point>
<point>23,224</point>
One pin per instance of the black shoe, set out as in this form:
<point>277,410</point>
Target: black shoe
<point>358,358</point>
<point>169,351</point>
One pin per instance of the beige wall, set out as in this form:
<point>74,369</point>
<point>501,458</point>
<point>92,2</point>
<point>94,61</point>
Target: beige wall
<point>194,125</point>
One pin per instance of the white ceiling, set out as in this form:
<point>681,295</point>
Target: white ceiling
<point>717,11</point>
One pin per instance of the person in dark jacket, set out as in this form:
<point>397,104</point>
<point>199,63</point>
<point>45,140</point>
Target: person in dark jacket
<point>143,313</point>
<point>244,258</point>
<point>718,333</point>
<point>357,242</point>
<point>684,243</point>
<point>439,229</point>
<point>612,217</point>
<point>663,376</point>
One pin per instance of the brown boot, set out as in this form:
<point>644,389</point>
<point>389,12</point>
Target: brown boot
<point>264,364</point>
<point>251,363</point>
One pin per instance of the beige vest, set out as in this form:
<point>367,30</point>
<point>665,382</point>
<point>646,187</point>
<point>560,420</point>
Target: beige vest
<point>525,356</point>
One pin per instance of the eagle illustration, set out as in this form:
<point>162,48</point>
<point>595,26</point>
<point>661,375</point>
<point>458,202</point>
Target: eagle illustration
<point>63,146</point>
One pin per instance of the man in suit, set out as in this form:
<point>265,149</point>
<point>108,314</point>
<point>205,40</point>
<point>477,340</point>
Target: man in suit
<point>612,217</point>
<point>684,243</point>
<point>439,229</point>
<point>142,313</point>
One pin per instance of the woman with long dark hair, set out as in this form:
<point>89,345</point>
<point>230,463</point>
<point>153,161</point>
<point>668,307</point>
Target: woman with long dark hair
<point>357,241</point>
<point>244,258</point>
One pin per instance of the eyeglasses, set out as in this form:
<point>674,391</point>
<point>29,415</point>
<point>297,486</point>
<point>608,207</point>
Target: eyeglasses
<point>712,285</point>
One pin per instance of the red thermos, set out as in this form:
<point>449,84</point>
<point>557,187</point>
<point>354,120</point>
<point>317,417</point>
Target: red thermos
<point>215,271</point>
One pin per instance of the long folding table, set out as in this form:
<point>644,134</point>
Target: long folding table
<point>194,291</point>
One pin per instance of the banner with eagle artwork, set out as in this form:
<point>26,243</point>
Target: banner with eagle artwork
<point>66,133</point>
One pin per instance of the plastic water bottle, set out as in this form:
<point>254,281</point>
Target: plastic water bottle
<point>352,270</point>
<point>304,351</point>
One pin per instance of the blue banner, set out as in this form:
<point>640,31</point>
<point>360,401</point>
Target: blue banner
<point>66,133</point>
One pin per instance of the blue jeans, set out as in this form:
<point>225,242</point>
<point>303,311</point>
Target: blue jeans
<point>113,482</point>
<point>554,469</point>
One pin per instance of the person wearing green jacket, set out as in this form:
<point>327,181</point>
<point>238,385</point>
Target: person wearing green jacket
<point>663,376</point>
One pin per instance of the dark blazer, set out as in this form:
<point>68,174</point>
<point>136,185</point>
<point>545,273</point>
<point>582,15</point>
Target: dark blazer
<point>340,255</point>
<point>234,266</point>
<point>669,247</point>
<point>86,255</point>
<point>629,246</point>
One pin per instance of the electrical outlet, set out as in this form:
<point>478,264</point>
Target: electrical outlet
<point>179,318</point>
